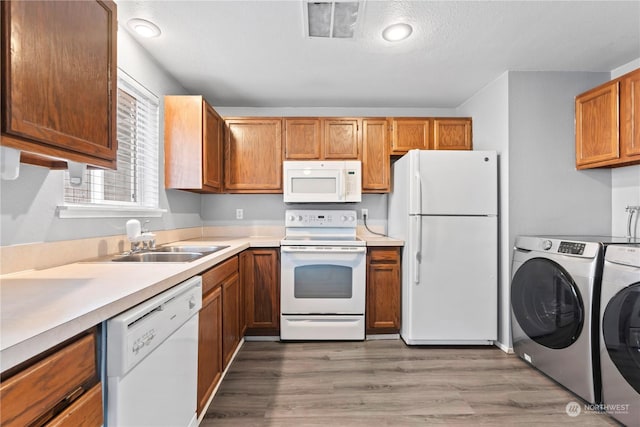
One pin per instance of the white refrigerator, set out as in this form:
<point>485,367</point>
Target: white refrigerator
<point>444,205</point>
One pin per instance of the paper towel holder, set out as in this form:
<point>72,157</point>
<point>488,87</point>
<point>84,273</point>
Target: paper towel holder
<point>76,172</point>
<point>10,163</point>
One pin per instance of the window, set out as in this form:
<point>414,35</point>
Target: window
<point>133,187</point>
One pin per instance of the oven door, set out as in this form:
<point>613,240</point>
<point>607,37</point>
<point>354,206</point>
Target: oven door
<point>323,280</point>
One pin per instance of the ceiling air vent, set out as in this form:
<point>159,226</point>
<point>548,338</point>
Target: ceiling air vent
<point>332,19</point>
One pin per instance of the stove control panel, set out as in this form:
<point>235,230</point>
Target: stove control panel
<point>321,218</point>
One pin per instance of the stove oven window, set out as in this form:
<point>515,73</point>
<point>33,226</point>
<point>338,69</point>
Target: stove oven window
<point>323,281</point>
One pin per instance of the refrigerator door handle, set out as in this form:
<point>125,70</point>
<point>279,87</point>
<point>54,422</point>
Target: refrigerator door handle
<point>417,196</point>
<point>418,248</point>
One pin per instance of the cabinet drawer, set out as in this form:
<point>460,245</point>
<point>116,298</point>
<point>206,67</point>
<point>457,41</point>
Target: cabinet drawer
<point>217,274</point>
<point>38,389</point>
<point>86,411</point>
<point>384,255</point>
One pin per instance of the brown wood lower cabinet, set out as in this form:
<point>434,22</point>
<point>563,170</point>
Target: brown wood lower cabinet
<point>59,387</point>
<point>86,411</point>
<point>383,290</point>
<point>230,318</point>
<point>209,346</point>
<point>260,271</point>
<point>219,333</point>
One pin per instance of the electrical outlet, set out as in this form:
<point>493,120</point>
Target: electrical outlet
<point>365,212</point>
<point>239,213</point>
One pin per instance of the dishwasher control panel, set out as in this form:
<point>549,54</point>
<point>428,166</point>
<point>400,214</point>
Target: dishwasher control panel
<point>134,334</point>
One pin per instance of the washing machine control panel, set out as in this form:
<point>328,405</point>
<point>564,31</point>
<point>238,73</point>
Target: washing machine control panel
<point>572,248</point>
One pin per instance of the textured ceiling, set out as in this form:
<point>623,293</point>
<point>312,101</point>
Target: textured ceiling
<point>255,53</point>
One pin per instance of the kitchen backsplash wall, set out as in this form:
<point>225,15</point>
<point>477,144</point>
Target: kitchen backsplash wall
<point>269,209</point>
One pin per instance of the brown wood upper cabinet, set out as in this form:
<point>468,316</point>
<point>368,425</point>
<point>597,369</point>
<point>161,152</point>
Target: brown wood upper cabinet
<point>376,167</point>
<point>193,144</point>
<point>410,134</point>
<point>452,134</point>
<point>59,81</point>
<point>253,155</point>
<point>430,133</point>
<point>313,138</point>
<point>608,124</point>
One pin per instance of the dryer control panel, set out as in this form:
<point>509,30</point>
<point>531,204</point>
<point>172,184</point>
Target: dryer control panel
<point>572,248</point>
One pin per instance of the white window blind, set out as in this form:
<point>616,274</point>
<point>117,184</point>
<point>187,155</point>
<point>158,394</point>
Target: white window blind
<point>135,182</point>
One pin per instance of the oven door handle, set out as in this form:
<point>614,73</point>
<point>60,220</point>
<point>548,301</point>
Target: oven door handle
<point>319,250</point>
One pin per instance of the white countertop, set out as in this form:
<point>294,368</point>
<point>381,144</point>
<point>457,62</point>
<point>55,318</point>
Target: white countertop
<point>40,309</point>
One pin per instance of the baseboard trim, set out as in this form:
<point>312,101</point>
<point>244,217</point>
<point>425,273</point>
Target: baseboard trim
<point>505,348</point>
<point>382,337</point>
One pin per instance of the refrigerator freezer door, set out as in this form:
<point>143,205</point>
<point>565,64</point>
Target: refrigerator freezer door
<point>455,300</point>
<point>455,183</point>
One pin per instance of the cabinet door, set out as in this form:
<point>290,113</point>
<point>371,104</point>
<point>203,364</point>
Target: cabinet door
<point>452,134</point>
<point>213,148</point>
<point>383,290</point>
<point>59,79</point>
<point>209,346</point>
<point>340,139</point>
<point>410,134</point>
<point>630,114</point>
<point>34,393</point>
<point>253,156</point>
<point>597,125</point>
<point>301,138</point>
<point>192,145</point>
<point>86,411</point>
<point>183,122</point>
<point>261,272</point>
<point>376,164</point>
<point>230,318</point>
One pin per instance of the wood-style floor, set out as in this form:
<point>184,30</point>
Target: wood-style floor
<point>386,383</point>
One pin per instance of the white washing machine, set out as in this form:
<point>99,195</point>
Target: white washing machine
<point>620,334</point>
<point>554,307</point>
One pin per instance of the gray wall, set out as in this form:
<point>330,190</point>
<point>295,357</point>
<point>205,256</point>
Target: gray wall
<point>547,193</point>
<point>28,204</point>
<point>625,181</point>
<point>269,209</point>
<point>490,111</point>
<point>528,117</point>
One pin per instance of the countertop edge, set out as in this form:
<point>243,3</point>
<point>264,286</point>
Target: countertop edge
<point>23,350</point>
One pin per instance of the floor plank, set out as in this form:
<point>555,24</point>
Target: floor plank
<point>386,383</point>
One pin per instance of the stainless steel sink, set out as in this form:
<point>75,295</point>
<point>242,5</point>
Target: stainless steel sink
<point>160,257</point>
<point>199,249</point>
<point>170,254</point>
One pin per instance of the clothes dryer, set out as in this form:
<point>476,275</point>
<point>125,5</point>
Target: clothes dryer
<point>554,307</point>
<point>620,334</point>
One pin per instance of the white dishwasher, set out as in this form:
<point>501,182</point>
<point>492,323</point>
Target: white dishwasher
<point>152,360</point>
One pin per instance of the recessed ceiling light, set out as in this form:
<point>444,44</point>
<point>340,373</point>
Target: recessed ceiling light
<point>397,32</point>
<point>144,28</point>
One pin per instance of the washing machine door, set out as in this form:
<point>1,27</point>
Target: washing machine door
<point>621,331</point>
<point>546,303</point>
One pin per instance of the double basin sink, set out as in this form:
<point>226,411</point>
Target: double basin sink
<point>170,254</point>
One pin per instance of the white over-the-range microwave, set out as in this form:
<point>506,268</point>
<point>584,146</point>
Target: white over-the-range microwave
<point>320,181</point>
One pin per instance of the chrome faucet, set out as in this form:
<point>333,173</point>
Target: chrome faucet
<point>140,238</point>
